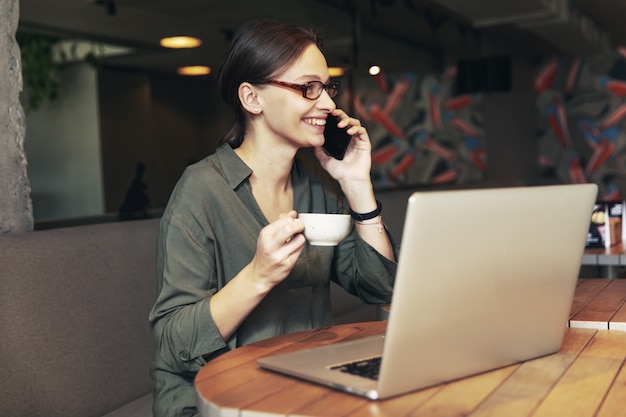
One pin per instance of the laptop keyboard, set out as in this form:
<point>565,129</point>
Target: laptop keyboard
<point>366,368</point>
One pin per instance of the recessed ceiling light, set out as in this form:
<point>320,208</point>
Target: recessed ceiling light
<point>194,70</point>
<point>336,71</point>
<point>374,70</point>
<point>178,42</point>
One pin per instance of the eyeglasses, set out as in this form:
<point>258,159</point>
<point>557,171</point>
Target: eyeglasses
<point>312,89</point>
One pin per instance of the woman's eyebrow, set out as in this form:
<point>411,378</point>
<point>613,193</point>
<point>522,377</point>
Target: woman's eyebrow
<point>312,77</point>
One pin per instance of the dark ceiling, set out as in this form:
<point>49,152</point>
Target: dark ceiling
<point>396,32</point>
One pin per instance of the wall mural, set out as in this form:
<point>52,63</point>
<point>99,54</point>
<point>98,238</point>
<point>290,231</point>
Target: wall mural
<point>581,129</point>
<point>421,132</point>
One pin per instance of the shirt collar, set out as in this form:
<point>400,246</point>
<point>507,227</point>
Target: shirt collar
<point>235,170</point>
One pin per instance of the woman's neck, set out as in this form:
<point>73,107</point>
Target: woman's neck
<point>271,177</point>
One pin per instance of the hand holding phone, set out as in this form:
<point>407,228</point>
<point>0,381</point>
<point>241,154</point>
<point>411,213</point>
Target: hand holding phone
<point>337,140</point>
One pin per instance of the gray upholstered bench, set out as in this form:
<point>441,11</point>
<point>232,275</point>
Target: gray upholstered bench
<point>74,334</point>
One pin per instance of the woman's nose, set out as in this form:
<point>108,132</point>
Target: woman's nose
<point>326,102</point>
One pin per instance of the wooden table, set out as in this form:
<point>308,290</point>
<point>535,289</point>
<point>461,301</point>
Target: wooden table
<point>587,377</point>
<point>599,304</point>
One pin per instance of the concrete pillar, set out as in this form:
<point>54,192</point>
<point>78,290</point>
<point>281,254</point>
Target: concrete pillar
<point>16,211</point>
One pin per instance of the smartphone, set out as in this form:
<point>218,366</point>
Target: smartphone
<point>337,140</point>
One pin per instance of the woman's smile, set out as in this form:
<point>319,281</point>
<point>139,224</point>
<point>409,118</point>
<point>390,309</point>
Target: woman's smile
<point>315,121</point>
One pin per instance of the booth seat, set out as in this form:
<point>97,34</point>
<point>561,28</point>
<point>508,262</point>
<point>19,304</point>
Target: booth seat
<point>74,306</point>
<point>75,339</point>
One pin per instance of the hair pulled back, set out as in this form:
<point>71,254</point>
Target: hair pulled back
<point>259,50</point>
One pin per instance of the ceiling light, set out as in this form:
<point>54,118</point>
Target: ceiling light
<point>374,70</point>
<point>194,70</point>
<point>178,42</point>
<point>336,71</point>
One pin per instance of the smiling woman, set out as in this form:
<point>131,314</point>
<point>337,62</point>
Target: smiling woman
<point>239,268</point>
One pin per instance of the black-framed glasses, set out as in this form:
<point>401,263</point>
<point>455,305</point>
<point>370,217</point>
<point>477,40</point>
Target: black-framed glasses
<point>312,89</point>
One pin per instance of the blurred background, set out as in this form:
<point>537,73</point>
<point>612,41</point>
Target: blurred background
<point>465,92</point>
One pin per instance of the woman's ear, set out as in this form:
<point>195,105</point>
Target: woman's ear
<point>249,98</point>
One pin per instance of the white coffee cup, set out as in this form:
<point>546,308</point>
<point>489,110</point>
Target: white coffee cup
<point>323,229</point>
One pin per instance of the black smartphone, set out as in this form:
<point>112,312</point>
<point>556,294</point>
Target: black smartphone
<point>337,140</point>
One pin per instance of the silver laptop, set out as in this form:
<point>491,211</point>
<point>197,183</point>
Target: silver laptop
<point>485,279</point>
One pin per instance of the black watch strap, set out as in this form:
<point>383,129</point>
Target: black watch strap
<point>366,216</point>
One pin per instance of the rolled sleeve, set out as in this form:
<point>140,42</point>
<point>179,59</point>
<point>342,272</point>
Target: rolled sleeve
<point>363,271</point>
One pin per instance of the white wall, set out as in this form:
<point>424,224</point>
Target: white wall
<point>63,149</point>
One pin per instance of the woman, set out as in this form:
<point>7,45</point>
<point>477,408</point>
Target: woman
<point>233,264</point>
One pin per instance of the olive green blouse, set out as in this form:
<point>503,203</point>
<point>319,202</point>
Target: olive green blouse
<point>208,234</point>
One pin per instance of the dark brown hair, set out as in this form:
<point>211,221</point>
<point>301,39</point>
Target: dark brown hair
<point>259,50</point>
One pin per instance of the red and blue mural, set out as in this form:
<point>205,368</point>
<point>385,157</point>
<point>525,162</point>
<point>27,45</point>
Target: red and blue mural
<point>582,111</point>
<point>421,132</point>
